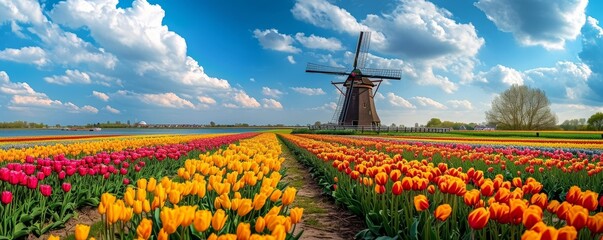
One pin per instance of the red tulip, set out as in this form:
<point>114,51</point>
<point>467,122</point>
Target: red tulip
<point>126,181</point>
<point>62,175</point>
<point>46,190</point>
<point>478,218</point>
<point>7,197</point>
<point>32,182</point>
<point>397,188</point>
<point>66,187</point>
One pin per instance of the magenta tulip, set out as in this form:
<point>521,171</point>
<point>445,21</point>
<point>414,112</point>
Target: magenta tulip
<point>7,197</point>
<point>32,182</point>
<point>66,187</point>
<point>46,190</point>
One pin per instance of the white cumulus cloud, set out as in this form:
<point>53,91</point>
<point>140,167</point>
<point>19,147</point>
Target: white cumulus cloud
<point>206,100</point>
<point>291,59</point>
<point>425,101</point>
<point>271,103</point>
<point>245,101</point>
<point>271,92</point>
<point>535,22</point>
<point>460,104</point>
<point>169,100</point>
<point>100,95</point>
<point>272,39</point>
<point>33,55</point>
<point>112,110</point>
<point>309,91</point>
<point>398,101</point>
<point>316,42</point>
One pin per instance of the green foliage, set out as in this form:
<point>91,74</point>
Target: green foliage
<point>22,124</point>
<point>595,121</point>
<point>434,122</point>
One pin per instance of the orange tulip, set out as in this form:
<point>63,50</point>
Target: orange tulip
<point>517,207</point>
<point>152,183</point>
<point>218,220</point>
<point>539,227</point>
<point>175,196</point>
<point>550,233</point>
<point>421,202</point>
<point>381,178</point>
<point>442,212</point>
<point>276,195</point>
<point>53,237</point>
<point>142,183</point>
<point>202,220</point>
<point>531,217</point>
<point>379,189</point>
<point>552,207</point>
<point>563,210</point>
<point>260,199</point>
<point>577,217</point>
<point>279,232</point>
<point>288,196</point>
<point>539,199</point>
<point>407,183</point>
<point>431,189</point>
<point>397,188</point>
<point>517,182</point>
<point>137,207</point>
<point>471,197</point>
<point>260,224</point>
<point>567,233</point>
<point>245,207</point>
<point>243,231</point>
<point>502,195</point>
<point>487,188</point>
<point>81,231</point>
<point>170,219</point>
<point>595,223</point>
<point>296,215</point>
<point>144,229</point>
<point>478,218</point>
<point>530,235</point>
<point>573,195</point>
<point>589,200</point>
<point>163,235</point>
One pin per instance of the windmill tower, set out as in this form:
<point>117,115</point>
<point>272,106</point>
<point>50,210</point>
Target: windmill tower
<point>356,105</point>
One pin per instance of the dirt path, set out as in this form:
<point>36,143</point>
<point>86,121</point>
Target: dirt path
<point>322,219</point>
<point>86,215</point>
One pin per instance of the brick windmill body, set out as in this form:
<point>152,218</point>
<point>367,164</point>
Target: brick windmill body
<point>356,105</point>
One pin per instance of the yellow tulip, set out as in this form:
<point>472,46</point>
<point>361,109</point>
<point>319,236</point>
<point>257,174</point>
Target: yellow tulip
<point>258,201</point>
<point>260,224</point>
<point>53,237</point>
<point>163,235</point>
<point>175,196</point>
<point>243,231</point>
<point>129,196</point>
<point>288,196</point>
<point>188,213</point>
<point>146,206</point>
<point>202,220</point>
<point>144,229</point>
<point>279,232</point>
<point>296,215</point>
<point>170,219</point>
<point>276,195</point>
<point>137,207</point>
<point>245,207</point>
<point>218,220</point>
<point>142,183</point>
<point>141,194</point>
<point>151,185</point>
<point>81,231</point>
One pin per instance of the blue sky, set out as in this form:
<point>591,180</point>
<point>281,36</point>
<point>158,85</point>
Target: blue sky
<point>84,61</point>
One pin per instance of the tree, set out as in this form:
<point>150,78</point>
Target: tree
<point>521,108</point>
<point>574,124</point>
<point>317,123</point>
<point>596,121</point>
<point>212,124</point>
<point>434,122</point>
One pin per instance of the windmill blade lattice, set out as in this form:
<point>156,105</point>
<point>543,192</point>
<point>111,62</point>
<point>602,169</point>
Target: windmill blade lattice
<point>318,68</point>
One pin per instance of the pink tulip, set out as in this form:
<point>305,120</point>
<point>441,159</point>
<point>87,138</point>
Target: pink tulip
<point>66,187</point>
<point>126,181</point>
<point>7,197</point>
<point>62,175</point>
<point>40,176</point>
<point>32,182</point>
<point>46,190</point>
<point>29,169</point>
<point>123,171</point>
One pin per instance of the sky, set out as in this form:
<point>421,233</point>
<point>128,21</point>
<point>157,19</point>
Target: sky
<point>88,61</point>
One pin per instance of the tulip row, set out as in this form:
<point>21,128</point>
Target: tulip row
<point>43,193</point>
<point>572,168</point>
<point>83,148</point>
<point>234,193</point>
<point>551,143</point>
<point>448,202</point>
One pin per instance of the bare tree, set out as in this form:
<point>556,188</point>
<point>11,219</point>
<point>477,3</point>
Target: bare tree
<point>521,108</point>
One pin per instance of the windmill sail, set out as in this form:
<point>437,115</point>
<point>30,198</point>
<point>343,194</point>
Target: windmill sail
<point>337,112</point>
<point>317,68</point>
<point>362,50</point>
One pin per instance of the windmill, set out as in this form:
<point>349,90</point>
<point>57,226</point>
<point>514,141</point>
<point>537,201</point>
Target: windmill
<point>356,106</point>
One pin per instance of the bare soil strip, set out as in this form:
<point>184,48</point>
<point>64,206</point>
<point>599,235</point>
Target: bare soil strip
<point>322,219</point>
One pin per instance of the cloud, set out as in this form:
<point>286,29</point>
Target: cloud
<point>379,96</point>
<point>272,39</point>
<point>154,57</point>
<point>34,55</point>
<point>291,59</point>
<point>206,100</point>
<point>88,108</point>
<point>230,105</point>
<point>75,109</point>
<point>271,103</point>
<point>331,106</point>
<point>71,76</point>
<point>309,91</point>
<point>271,92</point>
<point>435,47</point>
<point>425,101</point>
<point>460,104</point>
<point>592,56</point>
<point>398,101</point>
<point>244,100</point>
<point>102,96</point>
<point>169,100</point>
<point>112,110</point>
<point>534,22</point>
<point>499,78</point>
<point>316,42</point>
<point>252,79</point>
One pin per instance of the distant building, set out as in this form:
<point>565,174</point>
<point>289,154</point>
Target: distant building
<point>142,124</point>
<point>483,128</point>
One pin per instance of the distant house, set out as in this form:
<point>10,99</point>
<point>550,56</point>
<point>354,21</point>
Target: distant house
<point>483,128</point>
<point>462,127</point>
<point>141,124</point>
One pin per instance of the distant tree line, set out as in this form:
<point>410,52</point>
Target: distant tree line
<point>437,123</point>
<point>22,124</point>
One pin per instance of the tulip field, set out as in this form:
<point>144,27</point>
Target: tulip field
<point>231,186</point>
<point>437,189</point>
<point>156,187</point>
